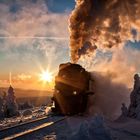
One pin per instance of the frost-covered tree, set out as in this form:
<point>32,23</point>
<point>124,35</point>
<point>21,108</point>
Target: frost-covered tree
<point>94,129</point>
<point>10,107</point>
<point>134,108</point>
<point>1,107</point>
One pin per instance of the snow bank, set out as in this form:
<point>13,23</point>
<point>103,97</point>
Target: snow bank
<point>91,130</point>
<point>27,112</point>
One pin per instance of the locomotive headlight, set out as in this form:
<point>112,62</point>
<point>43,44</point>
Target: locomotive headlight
<point>57,91</point>
<point>74,92</point>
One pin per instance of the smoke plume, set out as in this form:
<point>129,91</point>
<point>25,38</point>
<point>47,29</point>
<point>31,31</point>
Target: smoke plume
<point>103,23</point>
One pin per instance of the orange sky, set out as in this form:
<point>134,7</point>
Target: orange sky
<point>26,81</point>
<point>32,38</point>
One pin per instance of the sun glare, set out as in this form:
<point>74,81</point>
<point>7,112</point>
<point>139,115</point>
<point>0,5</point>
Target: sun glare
<point>46,76</point>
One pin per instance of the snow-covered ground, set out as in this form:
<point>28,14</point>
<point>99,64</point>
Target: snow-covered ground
<point>128,129</point>
<point>84,128</point>
<point>95,128</point>
<point>37,112</point>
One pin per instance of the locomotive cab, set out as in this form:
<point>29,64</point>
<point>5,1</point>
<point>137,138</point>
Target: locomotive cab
<point>71,89</point>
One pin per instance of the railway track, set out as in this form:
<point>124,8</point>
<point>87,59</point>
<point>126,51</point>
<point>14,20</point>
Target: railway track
<point>25,130</point>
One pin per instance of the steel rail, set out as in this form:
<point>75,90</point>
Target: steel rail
<point>23,135</point>
<point>22,126</point>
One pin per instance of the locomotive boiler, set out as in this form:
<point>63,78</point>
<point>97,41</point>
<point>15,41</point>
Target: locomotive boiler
<point>71,89</point>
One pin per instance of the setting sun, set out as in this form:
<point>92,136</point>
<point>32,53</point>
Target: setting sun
<point>46,76</point>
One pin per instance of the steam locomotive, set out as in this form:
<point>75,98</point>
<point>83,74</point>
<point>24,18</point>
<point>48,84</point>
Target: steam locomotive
<point>71,89</point>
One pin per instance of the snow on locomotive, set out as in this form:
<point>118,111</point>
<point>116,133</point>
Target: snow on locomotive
<point>71,89</point>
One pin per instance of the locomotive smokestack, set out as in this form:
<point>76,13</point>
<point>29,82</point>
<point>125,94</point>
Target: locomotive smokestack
<point>103,23</point>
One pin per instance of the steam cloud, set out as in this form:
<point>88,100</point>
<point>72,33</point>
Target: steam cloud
<point>113,81</point>
<point>109,95</point>
<point>103,23</point>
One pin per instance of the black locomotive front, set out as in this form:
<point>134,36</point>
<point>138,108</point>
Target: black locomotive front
<point>71,89</point>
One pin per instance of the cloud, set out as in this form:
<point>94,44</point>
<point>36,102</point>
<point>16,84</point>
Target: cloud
<point>24,77</point>
<point>32,20</point>
<point>31,37</point>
